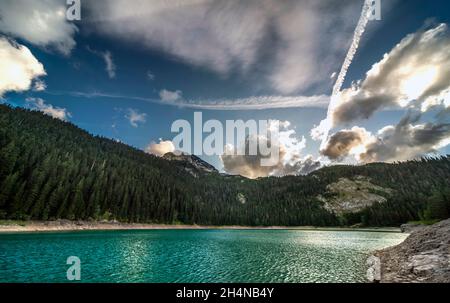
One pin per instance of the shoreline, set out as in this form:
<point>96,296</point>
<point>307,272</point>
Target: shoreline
<point>67,226</point>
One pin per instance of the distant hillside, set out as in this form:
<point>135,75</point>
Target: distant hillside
<point>51,169</point>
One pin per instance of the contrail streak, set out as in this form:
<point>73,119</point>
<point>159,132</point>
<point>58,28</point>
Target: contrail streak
<point>250,103</point>
<point>359,31</point>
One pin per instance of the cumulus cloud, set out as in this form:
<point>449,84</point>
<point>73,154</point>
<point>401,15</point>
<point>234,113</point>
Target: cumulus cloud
<point>417,69</point>
<point>18,67</point>
<point>402,79</point>
<point>161,148</point>
<point>42,23</point>
<point>239,161</point>
<point>48,109</point>
<point>135,117</point>
<point>170,96</point>
<point>404,141</point>
<point>346,142</point>
<point>110,66</point>
<point>307,39</point>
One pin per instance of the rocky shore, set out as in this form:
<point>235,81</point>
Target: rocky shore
<point>423,257</point>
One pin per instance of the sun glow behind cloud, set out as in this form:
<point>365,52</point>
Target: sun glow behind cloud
<point>414,86</point>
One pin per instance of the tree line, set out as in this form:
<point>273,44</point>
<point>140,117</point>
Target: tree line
<point>50,169</point>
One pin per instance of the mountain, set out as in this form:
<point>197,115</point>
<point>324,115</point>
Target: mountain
<point>193,164</point>
<point>50,169</point>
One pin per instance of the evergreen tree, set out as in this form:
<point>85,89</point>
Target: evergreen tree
<point>50,169</point>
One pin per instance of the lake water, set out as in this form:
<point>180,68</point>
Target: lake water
<point>192,255</point>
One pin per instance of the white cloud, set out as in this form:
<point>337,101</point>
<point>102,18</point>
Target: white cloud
<point>303,41</point>
<point>135,117</point>
<point>290,161</point>
<point>48,109</point>
<point>161,148</point>
<point>42,23</point>
<point>18,67</point>
<point>110,66</point>
<point>170,96</point>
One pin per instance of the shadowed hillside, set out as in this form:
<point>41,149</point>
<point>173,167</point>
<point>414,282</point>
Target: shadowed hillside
<point>51,169</point>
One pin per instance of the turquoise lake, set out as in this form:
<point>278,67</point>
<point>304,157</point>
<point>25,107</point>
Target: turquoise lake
<point>192,255</point>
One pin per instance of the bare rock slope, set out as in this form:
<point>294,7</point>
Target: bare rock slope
<point>352,196</point>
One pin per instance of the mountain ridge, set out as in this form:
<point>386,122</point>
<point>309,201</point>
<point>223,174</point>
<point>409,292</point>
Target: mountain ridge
<point>196,162</point>
<point>52,169</point>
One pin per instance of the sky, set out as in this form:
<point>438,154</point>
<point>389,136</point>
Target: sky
<point>344,88</point>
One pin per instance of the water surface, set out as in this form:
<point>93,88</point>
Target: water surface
<point>192,255</point>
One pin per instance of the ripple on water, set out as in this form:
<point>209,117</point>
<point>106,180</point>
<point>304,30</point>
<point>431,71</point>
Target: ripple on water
<point>192,255</point>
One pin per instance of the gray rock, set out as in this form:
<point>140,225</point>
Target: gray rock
<point>374,270</point>
<point>423,257</point>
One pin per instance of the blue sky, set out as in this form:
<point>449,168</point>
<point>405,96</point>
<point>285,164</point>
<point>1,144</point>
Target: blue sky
<point>207,52</point>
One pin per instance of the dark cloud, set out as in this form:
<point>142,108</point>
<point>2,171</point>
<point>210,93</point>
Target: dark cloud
<point>341,143</point>
<point>361,107</point>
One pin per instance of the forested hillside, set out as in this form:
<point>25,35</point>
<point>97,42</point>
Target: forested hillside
<point>50,169</point>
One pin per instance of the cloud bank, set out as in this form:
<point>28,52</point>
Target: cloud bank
<point>307,39</point>
<point>404,141</point>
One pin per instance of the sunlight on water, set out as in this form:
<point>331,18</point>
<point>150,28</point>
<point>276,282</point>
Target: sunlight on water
<point>192,255</point>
